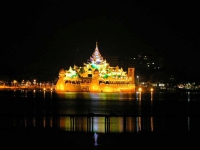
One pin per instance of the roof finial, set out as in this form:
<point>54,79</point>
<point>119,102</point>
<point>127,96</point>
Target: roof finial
<point>96,44</point>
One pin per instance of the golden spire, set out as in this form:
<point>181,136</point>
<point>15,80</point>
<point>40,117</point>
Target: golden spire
<point>96,44</point>
<point>96,56</point>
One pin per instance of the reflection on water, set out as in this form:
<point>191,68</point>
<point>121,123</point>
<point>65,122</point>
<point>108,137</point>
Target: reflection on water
<point>111,112</point>
<point>102,125</point>
<point>96,96</point>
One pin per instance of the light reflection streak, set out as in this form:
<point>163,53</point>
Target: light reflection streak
<point>130,124</point>
<point>48,122</point>
<point>14,93</point>
<point>65,123</point>
<point>51,94</point>
<point>188,96</point>
<point>188,120</point>
<point>22,93</point>
<point>151,124</point>
<point>138,124</point>
<point>95,139</point>
<point>33,93</point>
<point>98,124</point>
<point>44,93</point>
<point>95,125</point>
<point>97,96</point>
<point>25,93</point>
<point>151,96</point>
<point>116,124</point>
<point>138,96</point>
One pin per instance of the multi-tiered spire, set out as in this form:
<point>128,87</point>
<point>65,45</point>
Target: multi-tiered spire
<point>96,56</point>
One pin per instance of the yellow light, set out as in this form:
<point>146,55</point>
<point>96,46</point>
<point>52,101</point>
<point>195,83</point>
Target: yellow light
<point>151,89</point>
<point>140,89</point>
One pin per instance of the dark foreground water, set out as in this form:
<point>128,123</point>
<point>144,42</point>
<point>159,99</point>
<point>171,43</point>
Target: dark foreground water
<point>46,119</point>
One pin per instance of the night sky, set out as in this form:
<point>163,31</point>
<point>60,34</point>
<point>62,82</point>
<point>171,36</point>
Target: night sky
<point>38,38</point>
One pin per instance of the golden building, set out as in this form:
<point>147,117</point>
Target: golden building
<point>96,76</point>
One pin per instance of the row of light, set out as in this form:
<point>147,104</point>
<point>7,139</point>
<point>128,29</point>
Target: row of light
<point>140,89</point>
<point>44,89</point>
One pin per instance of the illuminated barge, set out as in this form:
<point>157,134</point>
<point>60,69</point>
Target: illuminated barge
<point>96,76</point>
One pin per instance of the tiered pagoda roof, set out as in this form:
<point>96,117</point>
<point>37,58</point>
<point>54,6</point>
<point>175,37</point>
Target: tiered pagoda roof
<point>96,56</point>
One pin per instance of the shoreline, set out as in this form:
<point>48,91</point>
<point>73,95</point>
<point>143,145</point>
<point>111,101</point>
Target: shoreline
<point>53,89</point>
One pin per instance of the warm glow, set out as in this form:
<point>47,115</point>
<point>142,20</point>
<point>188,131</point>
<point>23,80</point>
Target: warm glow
<point>96,76</point>
<point>140,89</point>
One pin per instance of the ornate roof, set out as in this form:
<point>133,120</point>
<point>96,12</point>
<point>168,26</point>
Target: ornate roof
<point>96,56</point>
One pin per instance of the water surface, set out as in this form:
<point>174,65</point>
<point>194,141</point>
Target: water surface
<point>69,115</point>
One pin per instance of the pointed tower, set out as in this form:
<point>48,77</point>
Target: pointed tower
<point>96,56</point>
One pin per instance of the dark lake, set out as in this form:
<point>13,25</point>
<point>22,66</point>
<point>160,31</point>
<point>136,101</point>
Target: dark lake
<point>33,118</point>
